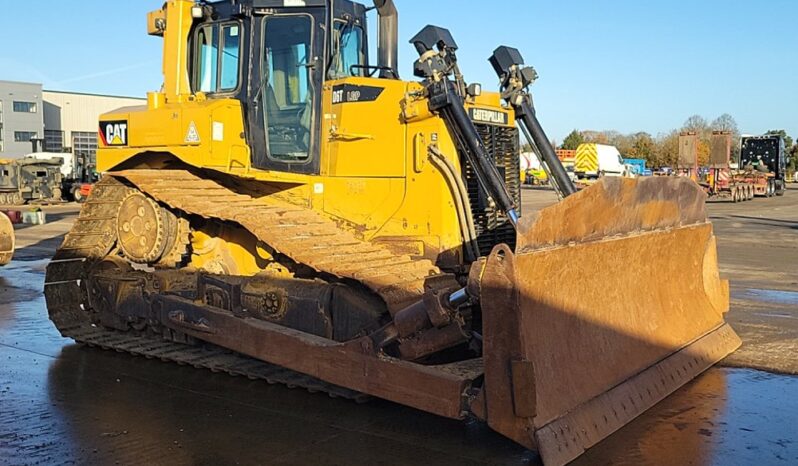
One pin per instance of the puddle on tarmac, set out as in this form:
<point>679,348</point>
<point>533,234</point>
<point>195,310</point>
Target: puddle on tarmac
<point>726,416</point>
<point>771,296</point>
<point>67,404</point>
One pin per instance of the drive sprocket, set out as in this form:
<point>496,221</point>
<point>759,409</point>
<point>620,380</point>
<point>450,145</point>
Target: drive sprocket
<point>141,228</point>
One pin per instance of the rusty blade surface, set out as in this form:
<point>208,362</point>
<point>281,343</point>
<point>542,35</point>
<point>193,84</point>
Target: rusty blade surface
<point>6,239</point>
<point>611,302</point>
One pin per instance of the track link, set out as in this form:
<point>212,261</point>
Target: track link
<point>206,356</point>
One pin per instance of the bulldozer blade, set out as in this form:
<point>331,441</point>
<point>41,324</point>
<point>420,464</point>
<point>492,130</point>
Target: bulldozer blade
<point>611,301</point>
<point>6,239</point>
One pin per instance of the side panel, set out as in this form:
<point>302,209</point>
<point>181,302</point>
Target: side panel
<point>364,133</point>
<point>203,134</point>
<point>372,153</point>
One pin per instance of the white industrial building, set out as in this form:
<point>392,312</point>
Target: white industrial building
<point>71,119</point>
<point>66,121</point>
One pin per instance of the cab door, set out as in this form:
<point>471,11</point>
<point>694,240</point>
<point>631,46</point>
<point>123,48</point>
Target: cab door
<point>288,63</point>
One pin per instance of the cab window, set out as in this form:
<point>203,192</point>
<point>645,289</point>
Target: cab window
<point>288,97</point>
<point>348,51</point>
<point>217,49</point>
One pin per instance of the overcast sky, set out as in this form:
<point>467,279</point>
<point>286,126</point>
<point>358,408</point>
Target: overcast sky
<point>626,65</point>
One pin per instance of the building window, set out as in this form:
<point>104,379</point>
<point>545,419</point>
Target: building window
<point>24,136</point>
<point>53,140</point>
<point>25,107</point>
<point>84,146</point>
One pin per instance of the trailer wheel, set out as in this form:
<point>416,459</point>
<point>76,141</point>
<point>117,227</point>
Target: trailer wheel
<point>77,196</point>
<point>780,190</point>
<point>734,195</point>
<point>750,192</point>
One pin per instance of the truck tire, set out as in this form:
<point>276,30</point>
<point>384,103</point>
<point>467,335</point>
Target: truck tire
<point>77,196</point>
<point>750,192</point>
<point>734,196</point>
<point>780,189</point>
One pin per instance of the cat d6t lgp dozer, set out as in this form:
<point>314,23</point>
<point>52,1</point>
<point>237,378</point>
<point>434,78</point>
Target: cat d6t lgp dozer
<point>288,210</point>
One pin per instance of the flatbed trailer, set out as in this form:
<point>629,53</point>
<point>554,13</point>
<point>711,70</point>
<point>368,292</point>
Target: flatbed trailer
<point>764,183</point>
<point>725,183</point>
<point>722,179</point>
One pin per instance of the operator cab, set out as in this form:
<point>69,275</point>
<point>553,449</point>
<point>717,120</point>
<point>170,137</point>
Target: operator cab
<point>275,59</point>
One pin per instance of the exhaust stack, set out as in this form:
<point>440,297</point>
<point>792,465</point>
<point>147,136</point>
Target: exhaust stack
<point>388,46</point>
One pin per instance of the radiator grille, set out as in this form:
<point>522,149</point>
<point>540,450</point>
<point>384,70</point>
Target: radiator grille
<point>492,226</point>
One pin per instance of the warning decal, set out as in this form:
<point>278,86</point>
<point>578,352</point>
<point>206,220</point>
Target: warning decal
<point>192,136</point>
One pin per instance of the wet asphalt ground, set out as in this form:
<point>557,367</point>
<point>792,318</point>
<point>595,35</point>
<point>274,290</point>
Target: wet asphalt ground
<point>65,404</point>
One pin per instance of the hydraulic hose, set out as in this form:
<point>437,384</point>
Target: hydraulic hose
<point>460,193</point>
<point>456,116</point>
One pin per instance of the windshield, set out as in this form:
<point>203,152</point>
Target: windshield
<point>348,40</point>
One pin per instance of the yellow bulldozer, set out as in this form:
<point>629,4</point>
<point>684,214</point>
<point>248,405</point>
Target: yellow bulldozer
<point>287,209</point>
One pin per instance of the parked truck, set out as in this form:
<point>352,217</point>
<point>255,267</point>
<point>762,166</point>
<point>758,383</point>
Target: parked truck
<point>10,191</point>
<point>40,179</point>
<point>30,179</point>
<point>719,176</point>
<point>594,161</point>
<point>532,171</point>
<point>78,174</point>
<point>763,160</point>
<point>636,167</point>
<point>756,173</point>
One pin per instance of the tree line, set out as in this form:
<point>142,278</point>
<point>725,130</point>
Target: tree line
<point>663,150</point>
